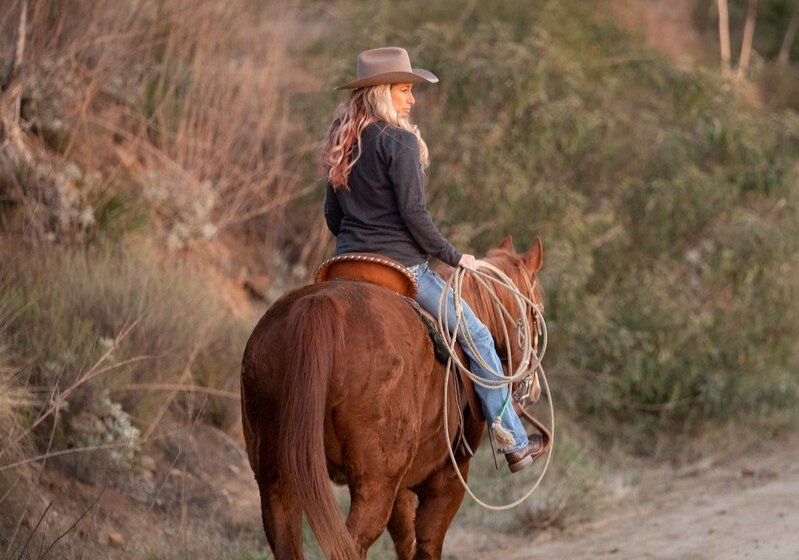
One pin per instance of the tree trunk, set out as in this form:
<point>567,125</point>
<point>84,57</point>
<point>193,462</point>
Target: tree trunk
<point>724,37</point>
<point>749,32</point>
<point>9,118</point>
<point>18,49</point>
<point>790,36</point>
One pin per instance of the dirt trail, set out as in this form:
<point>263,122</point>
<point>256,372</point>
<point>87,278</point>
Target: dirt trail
<point>743,508</point>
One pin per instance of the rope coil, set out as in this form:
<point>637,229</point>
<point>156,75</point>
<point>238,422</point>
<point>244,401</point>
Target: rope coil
<point>525,338</point>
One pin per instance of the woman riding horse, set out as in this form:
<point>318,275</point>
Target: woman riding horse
<point>374,160</point>
<point>340,381</point>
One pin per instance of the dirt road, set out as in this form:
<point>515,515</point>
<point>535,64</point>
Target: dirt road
<point>726,509</point>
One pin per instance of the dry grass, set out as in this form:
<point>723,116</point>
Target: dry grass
<point>170,115</point>
<point>96,329</point>
<point>14,397</point>
<point>182,106</point>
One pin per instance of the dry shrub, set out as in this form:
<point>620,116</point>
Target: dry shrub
<point>115,346</point>
<point>576,489</point>
<point>183,102</point>
<point>80,321</point>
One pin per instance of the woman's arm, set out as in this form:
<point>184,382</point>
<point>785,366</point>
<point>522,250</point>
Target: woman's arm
<point>406,176</point>
<point>333,213</point>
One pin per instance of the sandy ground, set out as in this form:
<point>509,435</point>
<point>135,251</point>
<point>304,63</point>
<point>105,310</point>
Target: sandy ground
<point>726,509</point>
<point>723,508</point>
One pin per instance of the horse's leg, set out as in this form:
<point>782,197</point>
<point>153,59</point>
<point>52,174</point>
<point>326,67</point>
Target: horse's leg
<point>282,523</point>
<point>440,497</point>
<point>372,501</point>
<point>282,519</point>
<point>401,524</point>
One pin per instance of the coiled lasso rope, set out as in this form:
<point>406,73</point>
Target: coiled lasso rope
<point>525,341</point>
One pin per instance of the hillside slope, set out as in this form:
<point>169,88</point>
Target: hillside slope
<point>159,188</point>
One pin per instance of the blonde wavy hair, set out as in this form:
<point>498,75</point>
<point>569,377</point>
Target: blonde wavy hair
<point>343,145</point>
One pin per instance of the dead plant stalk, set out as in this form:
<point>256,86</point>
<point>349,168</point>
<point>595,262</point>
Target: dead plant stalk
<point>185,376</point>
<point>57,399</point>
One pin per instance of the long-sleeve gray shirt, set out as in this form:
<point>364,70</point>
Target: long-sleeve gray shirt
<point>384,210</point>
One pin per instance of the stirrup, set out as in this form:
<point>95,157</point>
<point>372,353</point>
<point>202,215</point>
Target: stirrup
<point>546,435</point>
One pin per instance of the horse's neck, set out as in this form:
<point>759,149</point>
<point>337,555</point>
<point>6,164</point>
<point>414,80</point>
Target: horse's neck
<point>481,302</point>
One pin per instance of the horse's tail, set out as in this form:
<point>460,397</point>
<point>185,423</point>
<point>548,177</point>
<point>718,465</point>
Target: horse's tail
<point>314,327</point>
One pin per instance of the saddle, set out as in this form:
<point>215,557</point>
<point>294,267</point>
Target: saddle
<point>369,267</point>
<point>388,273</point>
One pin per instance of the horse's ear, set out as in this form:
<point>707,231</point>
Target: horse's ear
<point>507,244</point>
<point>534,258</point>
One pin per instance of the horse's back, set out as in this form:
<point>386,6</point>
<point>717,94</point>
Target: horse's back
<point>374,323</point>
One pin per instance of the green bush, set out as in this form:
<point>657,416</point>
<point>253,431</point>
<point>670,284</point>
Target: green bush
<point>667,209</point>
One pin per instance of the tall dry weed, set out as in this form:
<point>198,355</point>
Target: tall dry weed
<point>186,103</point>
<point>99,330</point>
<point>14,398</point>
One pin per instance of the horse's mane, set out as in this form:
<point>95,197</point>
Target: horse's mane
<point>480,298</point>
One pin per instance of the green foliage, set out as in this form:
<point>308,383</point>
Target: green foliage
<point>668,211</point>
<point>120,211</point>
<point>782,85</point>
<point>777,82</point>
<point>573,491</point>
<point>257,556</point>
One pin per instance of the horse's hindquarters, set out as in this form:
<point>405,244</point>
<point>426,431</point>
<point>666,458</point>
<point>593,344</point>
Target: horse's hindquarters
<point>341,377</point>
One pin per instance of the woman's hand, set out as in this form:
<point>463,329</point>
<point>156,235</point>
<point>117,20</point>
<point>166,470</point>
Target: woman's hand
<point>468,261</point>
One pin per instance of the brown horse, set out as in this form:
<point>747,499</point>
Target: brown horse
<point>339,381</point>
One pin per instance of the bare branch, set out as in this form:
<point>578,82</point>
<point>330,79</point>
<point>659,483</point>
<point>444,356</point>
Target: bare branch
<point>18,52</point>
<point>62,452</point>
<point>36,528</point>
<point>98,368</point>
<point>182,388</point>
<point>16,65</point>
<point>74,524</point>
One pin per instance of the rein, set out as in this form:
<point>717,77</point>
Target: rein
<point>527,337</point>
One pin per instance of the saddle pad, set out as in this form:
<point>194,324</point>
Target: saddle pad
<point>368,267</point>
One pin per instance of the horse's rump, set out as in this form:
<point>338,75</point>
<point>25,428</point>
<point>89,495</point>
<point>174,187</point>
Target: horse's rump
<point>348,371</point>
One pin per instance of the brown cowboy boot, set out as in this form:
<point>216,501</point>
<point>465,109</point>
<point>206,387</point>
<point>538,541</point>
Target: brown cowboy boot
<point>534,449</point>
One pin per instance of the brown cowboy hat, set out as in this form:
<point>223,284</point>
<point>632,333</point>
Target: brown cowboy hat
<point>387,65</point>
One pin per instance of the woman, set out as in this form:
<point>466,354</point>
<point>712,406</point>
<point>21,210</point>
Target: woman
<point>374,160</point>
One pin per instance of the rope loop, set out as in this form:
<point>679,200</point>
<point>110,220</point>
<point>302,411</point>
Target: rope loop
<point>487,275</point>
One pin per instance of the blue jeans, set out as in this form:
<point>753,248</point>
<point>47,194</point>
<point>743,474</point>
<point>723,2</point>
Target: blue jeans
<point>431,286</point>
